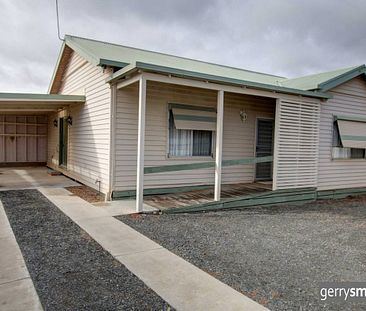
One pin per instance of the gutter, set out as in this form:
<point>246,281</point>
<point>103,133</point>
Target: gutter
<point>211,78</point>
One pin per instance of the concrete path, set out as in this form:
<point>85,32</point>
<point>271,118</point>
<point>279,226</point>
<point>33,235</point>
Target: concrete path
<point>13,178</point>
<point>122,207</point>
<point>17,291</point>
<point>178,282</point>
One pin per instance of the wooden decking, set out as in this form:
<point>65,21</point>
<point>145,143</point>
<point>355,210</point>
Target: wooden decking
<point>204,196</point>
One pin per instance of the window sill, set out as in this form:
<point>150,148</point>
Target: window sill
<point>348,159</point>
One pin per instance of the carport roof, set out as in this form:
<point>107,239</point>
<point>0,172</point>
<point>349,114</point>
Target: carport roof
<point>41,97</point>
<point>37,102</point>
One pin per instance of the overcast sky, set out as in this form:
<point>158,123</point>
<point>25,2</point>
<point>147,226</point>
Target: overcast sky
<point>283,37</point>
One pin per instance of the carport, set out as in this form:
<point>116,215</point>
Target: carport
<point>24,125</point>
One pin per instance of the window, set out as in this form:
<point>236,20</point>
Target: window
<point>339,152</point>
<point>188,143</point>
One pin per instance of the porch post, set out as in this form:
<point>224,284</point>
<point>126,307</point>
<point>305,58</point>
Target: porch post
<point>219,131</point>
<point>141,145</point>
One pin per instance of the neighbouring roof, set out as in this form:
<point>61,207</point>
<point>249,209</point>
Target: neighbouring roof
<point>127,60</point>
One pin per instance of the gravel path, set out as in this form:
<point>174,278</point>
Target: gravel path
<point>275,255</point>
<point>69,269</point>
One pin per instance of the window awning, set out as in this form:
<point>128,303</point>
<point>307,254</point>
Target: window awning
<point>352,132</point>
<point>188,117</point>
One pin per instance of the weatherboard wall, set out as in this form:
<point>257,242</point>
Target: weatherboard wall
<point>348,99</point>
<point>239,137</point>
<point>89,134</point>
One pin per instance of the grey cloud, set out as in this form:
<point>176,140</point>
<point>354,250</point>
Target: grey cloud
<point>285,37</point>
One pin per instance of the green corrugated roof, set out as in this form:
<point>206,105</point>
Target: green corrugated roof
<point>102,53</point>
<point>130,59</point>
<point>322,81</point>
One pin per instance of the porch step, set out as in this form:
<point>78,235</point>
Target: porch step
<point>264,198</point>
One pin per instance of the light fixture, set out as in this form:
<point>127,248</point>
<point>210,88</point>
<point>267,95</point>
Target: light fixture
<point>55,123</point>
<point>243,115</point>
<point>69,120</point>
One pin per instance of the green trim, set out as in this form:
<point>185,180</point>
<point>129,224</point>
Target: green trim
<point>220,79</point>
<point>186,117</point>
<point>353,137</point>
<point>247,161</point>
<point>41,97</point>
<point>332,83</point>
<point>112,63</point>
<point>178,167</point>
<point>129,194</point>
<point>339,193</point>
<point>203,165</point>
<point>349,118</point>
<point>190,107</point>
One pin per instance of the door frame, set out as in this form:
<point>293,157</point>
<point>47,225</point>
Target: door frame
<point>255,146</point>
<point>63,142</point>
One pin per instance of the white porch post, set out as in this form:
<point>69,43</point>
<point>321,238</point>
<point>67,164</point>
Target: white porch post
<point>219,131</point>
<point>141,146</point>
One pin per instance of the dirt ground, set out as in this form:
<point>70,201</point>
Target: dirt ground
<point>86,193</point>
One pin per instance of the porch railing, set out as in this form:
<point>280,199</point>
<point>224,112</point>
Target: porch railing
<point>203,165</point>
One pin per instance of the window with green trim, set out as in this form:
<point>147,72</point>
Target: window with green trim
<point>189,143</point>
<point>339,152</point>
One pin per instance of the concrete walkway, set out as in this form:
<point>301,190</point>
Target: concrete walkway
<point>178,282</point>
<point>17,291</point>
<point>13,178</point>
<point>122,207</point>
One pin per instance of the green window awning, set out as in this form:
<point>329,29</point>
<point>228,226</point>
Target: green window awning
<point>188,117</point>
<point>352,132</point>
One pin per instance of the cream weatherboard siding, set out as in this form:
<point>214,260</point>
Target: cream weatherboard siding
<point>239,137</point>
<point>296,144</point>
<point>89,135</point>
<point>348,99</point>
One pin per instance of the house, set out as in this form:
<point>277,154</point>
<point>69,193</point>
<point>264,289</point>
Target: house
<point>130,121</point>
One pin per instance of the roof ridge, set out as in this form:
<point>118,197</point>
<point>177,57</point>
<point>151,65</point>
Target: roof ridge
<point>171,55</point>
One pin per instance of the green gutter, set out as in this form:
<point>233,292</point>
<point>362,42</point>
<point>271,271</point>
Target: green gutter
<point>41,97</point>
<point>332,83</point>
<point>213,78</point>
<point>112,63</point>
<point>220,79</point>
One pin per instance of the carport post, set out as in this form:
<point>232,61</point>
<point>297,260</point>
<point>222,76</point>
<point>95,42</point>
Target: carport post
<point>141,145</point>
<point>219,131</point>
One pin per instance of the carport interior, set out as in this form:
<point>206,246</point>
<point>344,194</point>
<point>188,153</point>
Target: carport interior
<point>24,121</point>
<point>23,138</point>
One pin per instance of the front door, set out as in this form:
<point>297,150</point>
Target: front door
<point>63,141</point>
<point>264,147</point>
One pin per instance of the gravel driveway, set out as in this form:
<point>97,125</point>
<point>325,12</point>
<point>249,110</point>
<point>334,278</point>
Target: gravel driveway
<point>275,255</point>
<point>69,269</point>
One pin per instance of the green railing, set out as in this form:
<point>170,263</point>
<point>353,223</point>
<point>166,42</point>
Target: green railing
<point>202,165</point>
